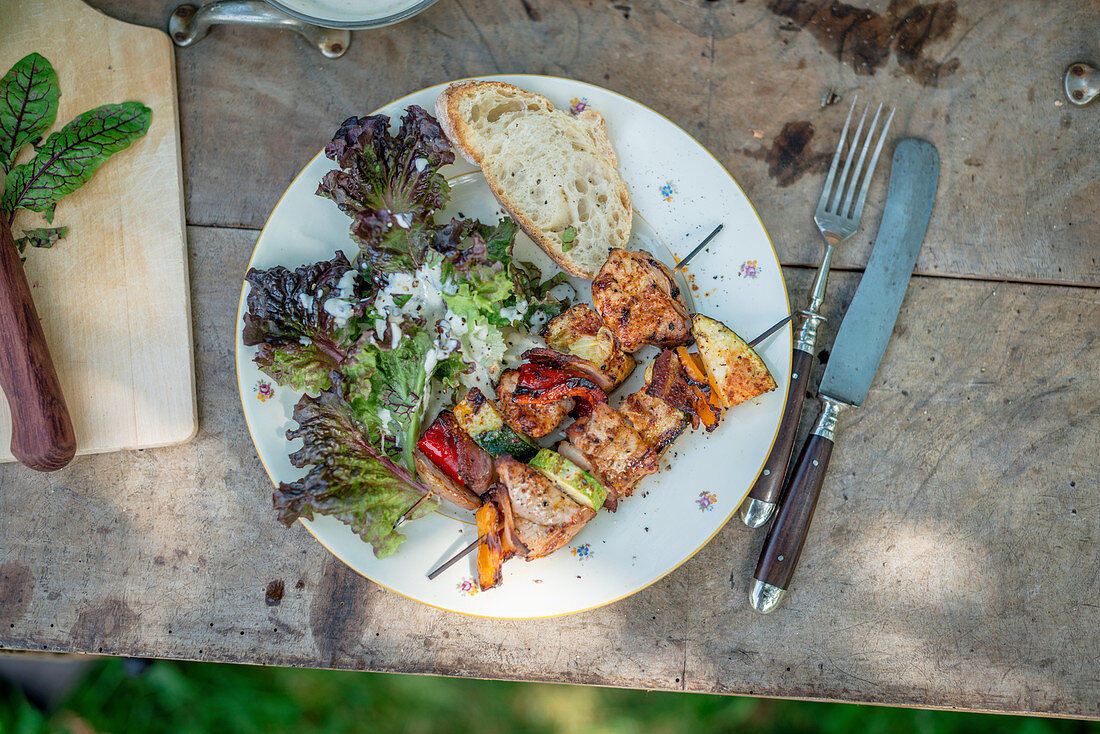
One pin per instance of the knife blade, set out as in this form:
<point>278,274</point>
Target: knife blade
<point>856,353</point>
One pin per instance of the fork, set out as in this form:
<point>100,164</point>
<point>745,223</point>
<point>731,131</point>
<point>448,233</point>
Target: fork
<point>837,216</point>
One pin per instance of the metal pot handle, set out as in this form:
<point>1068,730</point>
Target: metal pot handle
<point>1082,83</point>
<point>189,24</point>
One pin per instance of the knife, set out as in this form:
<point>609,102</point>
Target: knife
<point>41,431</point>
<point>855,356</point>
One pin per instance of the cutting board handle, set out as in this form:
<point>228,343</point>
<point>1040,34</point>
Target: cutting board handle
<point>42,431</point>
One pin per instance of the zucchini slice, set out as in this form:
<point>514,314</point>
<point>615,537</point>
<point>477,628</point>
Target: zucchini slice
<point>578,485</point>
<point>483,422</point>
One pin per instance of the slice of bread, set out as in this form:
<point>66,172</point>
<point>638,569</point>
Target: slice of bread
<point>554,172</point>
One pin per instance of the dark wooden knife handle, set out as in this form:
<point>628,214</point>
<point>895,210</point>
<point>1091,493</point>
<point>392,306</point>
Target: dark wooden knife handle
<point>42,431</point>
<point>769,485</point>
<point>783,545</point>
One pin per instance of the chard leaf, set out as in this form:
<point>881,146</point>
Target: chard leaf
<point>28,105</point>
<point>71,155</point>
<point>349,478</point>
<point>43,237</point>
<point>301,341</point>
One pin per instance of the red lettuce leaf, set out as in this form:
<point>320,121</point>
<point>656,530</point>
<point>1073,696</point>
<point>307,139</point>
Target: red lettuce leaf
<point>349,478</point>
<point>300,341</point>
<point>389,184</point>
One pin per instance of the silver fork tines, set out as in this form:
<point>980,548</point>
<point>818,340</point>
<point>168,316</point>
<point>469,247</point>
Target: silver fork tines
<point>839,221</point>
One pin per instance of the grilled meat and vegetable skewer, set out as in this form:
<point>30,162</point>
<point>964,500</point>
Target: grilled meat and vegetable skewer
<point>545,503</point>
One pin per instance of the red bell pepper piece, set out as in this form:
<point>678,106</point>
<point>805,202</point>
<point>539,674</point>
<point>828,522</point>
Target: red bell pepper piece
<point>533,376</point>
<point>440,447</point>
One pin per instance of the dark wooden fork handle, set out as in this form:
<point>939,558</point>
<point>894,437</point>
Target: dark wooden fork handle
<point>42,431</point>
<point>769,485</point>
<point>783,544</point>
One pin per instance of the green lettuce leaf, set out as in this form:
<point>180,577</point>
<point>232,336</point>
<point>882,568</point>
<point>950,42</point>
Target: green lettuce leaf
<point>480,258</point>
<point>349,478</point>
<point>449,368</point>
<point>482,295</point>
<point>71,155</point>
<point>28,105</point>
<point>300,340</point>
<point>476,259</point>
<point>391,388</point>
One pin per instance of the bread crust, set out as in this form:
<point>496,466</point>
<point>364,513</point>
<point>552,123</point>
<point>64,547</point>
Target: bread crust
<point>451,123</point>
<point>456,128</point>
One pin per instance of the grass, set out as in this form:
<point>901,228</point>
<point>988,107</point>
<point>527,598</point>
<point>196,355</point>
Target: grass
<point>204,697</point>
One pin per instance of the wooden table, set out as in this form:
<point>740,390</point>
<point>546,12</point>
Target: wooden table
<point>953,562</point>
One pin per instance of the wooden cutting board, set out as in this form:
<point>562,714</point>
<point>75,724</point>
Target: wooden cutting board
<point>113,295</point>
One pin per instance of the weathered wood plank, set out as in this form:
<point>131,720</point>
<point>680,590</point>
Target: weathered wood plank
<point>952,561</point>
<point>1018,189</point>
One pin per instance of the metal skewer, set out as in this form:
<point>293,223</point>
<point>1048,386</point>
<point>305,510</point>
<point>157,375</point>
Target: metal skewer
<point>683,263</point>
<point>413,508</point>
<point>770,331</point>
<point>458,557</point>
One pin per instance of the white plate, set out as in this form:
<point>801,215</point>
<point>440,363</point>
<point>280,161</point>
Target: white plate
<point>680,192</point>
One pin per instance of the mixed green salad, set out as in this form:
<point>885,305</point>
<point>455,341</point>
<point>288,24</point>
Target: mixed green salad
<point>424,306</point>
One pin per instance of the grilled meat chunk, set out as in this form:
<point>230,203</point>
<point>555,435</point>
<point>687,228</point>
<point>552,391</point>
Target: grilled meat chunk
<point>535,497</point>
<point>530,420</point>
<point>538,518</point>
<point>639,301</point>
<point>542,540</point>
<point>658,422</point>
<point>614,448</point>
<point>581,332</point>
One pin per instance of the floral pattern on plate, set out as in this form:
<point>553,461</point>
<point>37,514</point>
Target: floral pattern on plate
<point>264,391</point>
<point>750,269</point>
